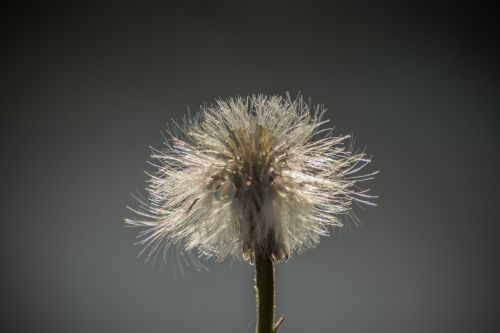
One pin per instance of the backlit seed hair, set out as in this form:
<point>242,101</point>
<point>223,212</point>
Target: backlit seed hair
<point>250,176</point>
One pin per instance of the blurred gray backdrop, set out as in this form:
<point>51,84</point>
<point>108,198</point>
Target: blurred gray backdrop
<point>86,88</point>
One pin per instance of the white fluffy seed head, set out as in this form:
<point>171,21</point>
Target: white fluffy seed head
<point>254,176</point>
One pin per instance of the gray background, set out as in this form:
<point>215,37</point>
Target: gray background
<point>86,89</point>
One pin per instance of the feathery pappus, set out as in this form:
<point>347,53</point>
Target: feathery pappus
<point>250,176</point>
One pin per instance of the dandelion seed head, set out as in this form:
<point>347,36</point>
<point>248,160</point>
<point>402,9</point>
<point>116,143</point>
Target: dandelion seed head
<point>246,177</point>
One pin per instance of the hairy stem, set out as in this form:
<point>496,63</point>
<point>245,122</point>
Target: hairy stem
<point>264,285</point>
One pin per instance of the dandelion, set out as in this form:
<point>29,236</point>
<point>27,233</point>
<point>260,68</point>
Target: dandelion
<point>257,178</point>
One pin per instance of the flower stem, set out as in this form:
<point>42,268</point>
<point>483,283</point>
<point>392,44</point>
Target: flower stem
<point>264,285</point>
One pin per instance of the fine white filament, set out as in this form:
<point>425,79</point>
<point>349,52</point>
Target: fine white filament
<point>246,176</point>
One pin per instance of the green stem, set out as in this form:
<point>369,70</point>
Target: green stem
<point>264,285</point>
